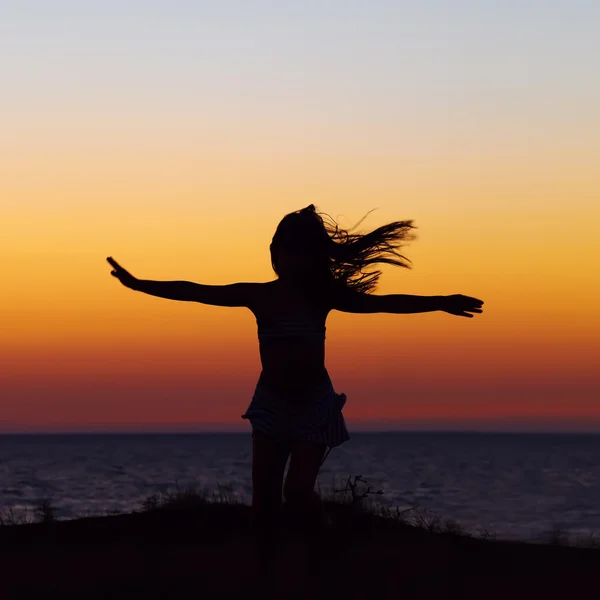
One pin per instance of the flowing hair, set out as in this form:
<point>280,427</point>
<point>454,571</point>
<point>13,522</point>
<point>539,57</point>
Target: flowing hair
<point>339,257</point>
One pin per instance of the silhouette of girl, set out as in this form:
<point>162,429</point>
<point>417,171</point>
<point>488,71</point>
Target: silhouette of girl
<point>295,412</point>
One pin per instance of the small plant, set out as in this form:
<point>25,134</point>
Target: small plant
<point>151,503</point>
<point>45,512</point>
<point>357,496</point>
<point>9,517</point>
<point>359,493</point>
<point>556,536</point>
<point>454,527</point>
<point>190,497</point>
<point>484,534</point>
<point>428,522</point>
<point>224,495</point>
<point>395,513</point>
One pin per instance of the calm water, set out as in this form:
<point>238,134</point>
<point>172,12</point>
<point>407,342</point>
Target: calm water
<point>516,485</point>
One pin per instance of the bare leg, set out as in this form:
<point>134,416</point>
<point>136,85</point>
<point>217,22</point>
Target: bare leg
<point>302,501</point>
<point>269,458</point>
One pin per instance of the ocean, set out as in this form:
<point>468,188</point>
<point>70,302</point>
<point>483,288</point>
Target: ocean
<point>516,486</point>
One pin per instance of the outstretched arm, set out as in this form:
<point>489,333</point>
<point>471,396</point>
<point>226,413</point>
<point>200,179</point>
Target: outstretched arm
<point>235,294</point>
<point>357,302</point>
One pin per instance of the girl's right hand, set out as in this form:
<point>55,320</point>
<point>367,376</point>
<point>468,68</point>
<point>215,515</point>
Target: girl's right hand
<point>460,305</point>
<point>126,278</point>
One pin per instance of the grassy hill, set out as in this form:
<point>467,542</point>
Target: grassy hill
<point>186,545</point>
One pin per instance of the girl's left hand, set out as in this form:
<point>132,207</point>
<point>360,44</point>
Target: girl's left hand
<point>461,306</point>
<point>126,278</point>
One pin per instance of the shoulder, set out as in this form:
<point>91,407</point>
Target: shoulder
<point>259,294</point>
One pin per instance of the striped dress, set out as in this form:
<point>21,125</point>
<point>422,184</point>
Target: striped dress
<point>312,416</point>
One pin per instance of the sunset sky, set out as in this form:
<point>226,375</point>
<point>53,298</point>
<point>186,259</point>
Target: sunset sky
<point>174,136</point>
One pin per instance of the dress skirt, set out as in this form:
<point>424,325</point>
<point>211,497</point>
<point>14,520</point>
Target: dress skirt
<point>311,416</point>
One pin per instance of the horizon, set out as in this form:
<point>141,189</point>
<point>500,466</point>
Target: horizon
<point>355,429</point>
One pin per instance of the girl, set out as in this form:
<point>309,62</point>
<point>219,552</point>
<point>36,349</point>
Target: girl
<point>295,412</point>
